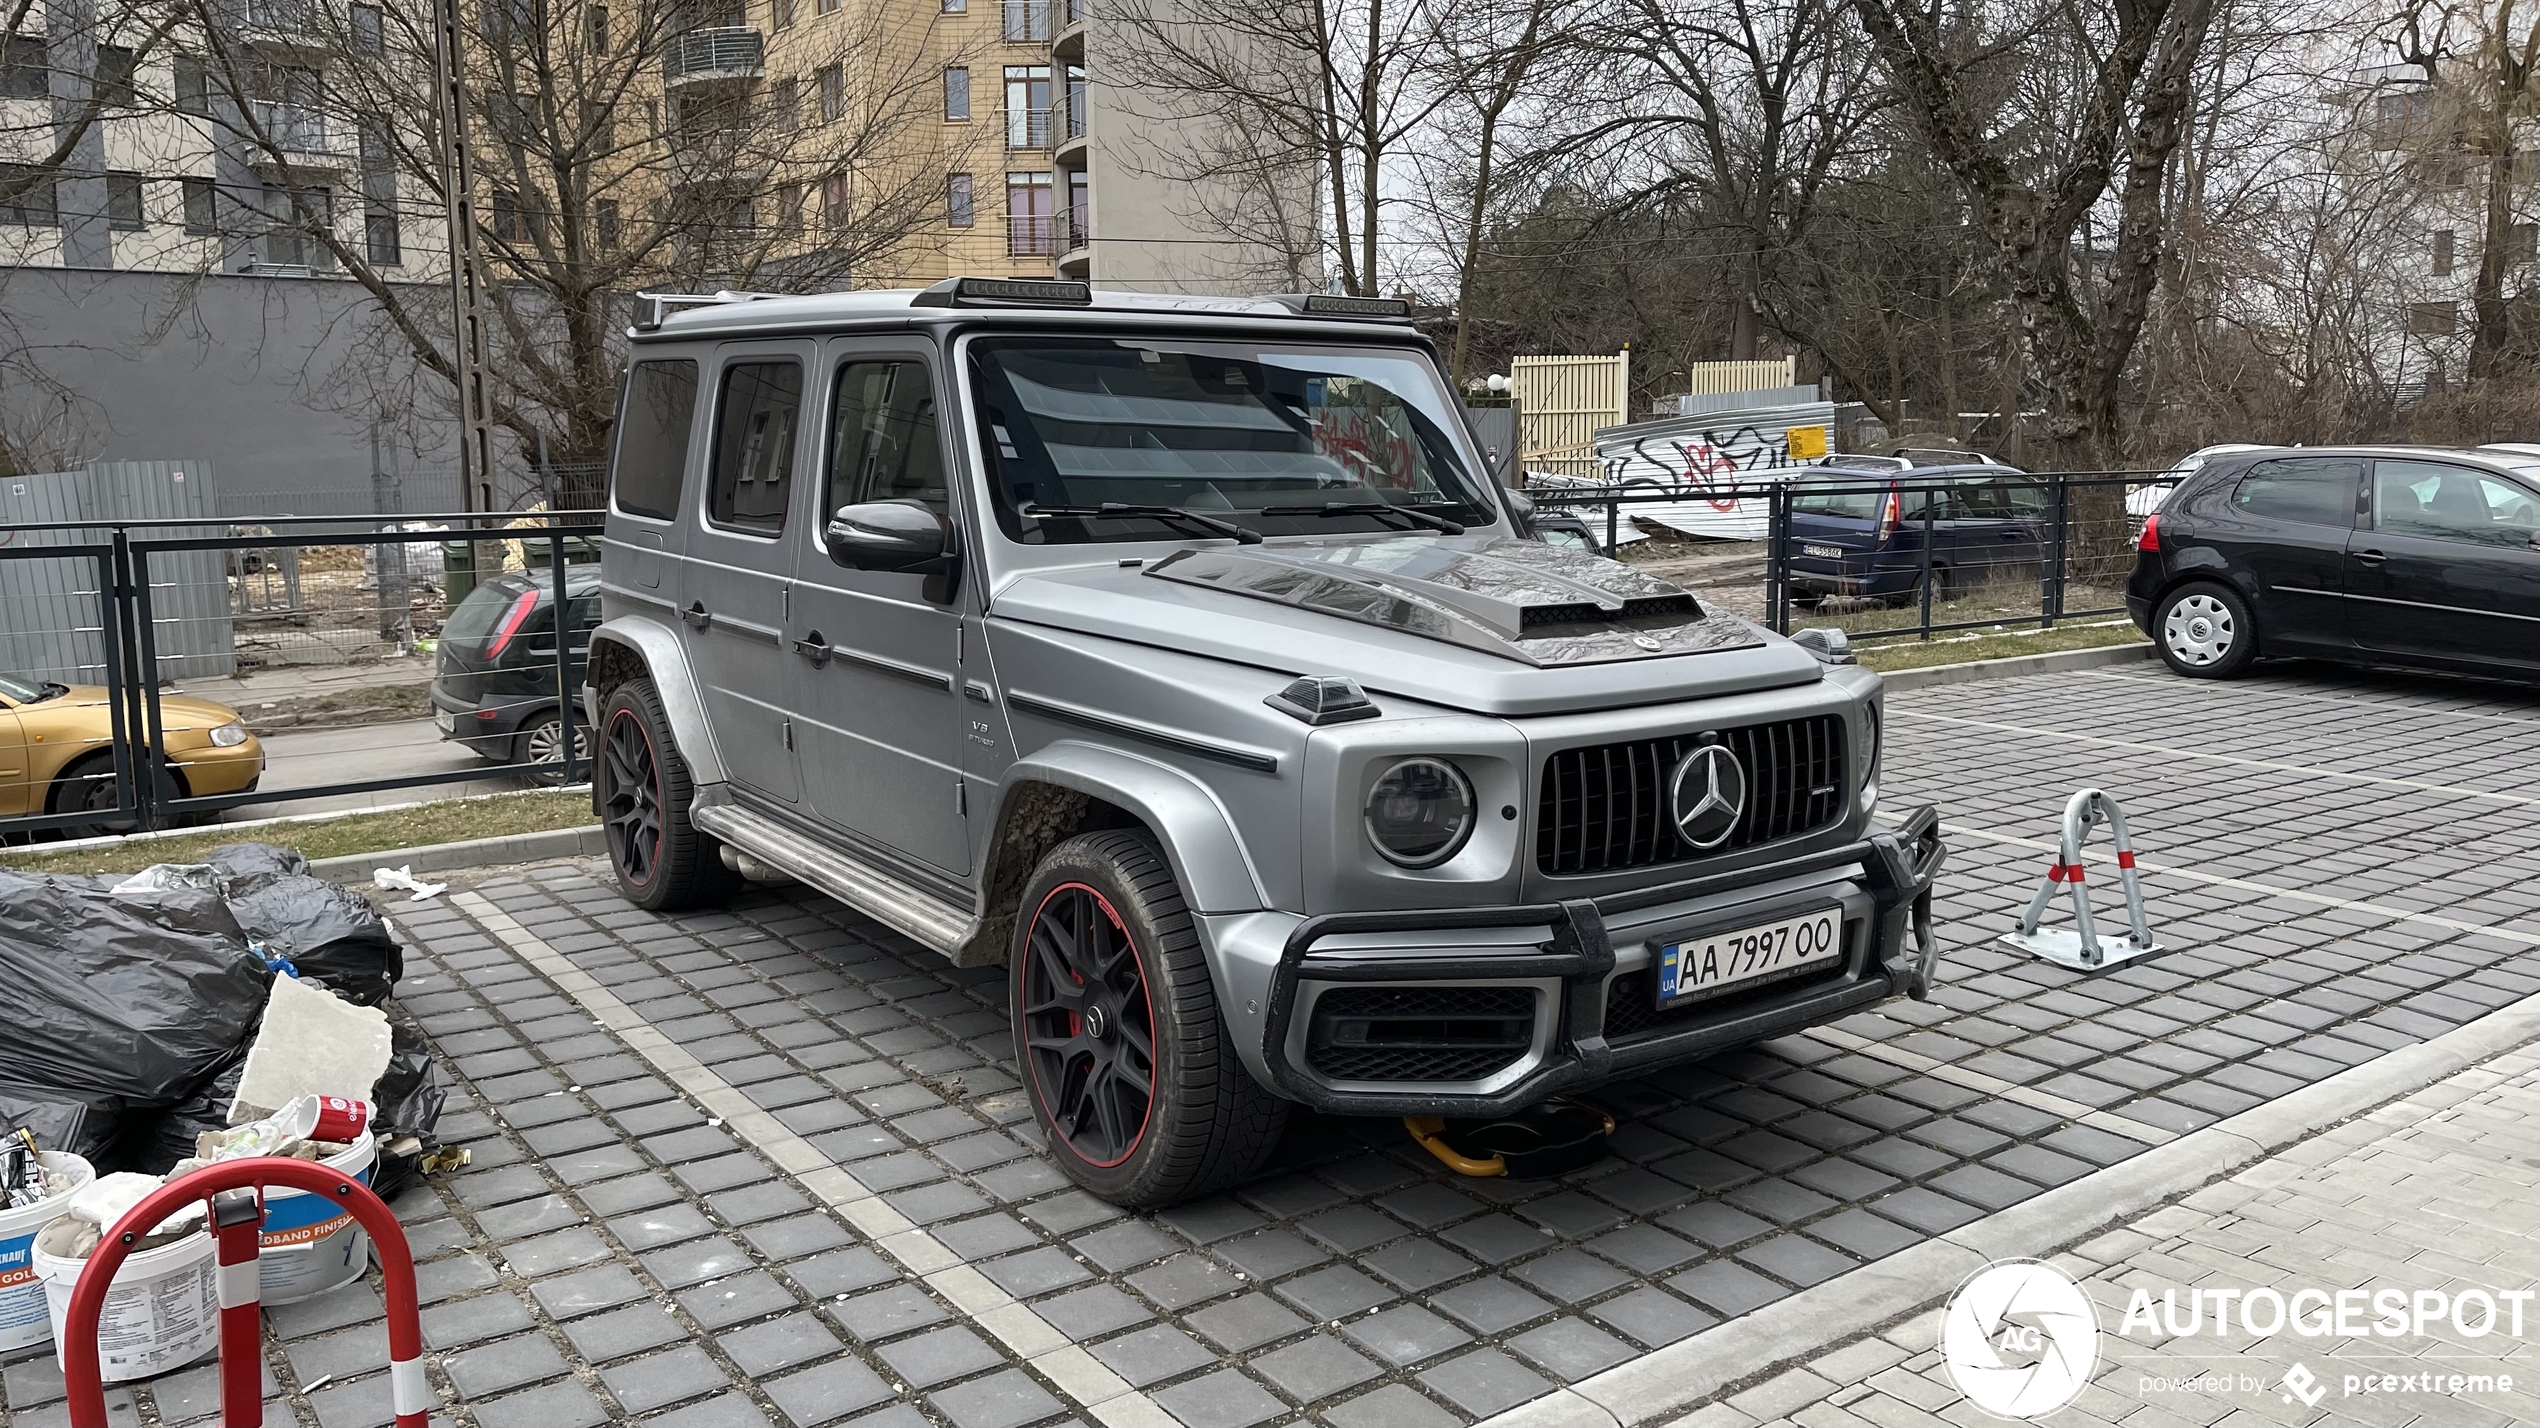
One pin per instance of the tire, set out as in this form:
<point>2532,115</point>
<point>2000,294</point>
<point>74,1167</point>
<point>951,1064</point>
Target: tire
<point>1149,1047</point>
<point>642,789</point>
<point>89,783</point>
<point>2204,631</point>
<point>543,740</point>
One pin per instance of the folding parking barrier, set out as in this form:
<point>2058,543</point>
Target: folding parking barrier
<point>237,1218</point>
<point>2082,947</point>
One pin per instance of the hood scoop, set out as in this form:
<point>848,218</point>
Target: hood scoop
<point>1536,604</point>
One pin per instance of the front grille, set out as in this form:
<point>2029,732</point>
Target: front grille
<point>1604,809</point>
<point>1632,1012</point>
<point>1440,1033</point>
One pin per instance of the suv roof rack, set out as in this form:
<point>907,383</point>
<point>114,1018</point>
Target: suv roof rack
<point>662,304</point>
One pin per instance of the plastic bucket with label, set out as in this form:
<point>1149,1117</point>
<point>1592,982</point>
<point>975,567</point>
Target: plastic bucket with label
<point>24,1322</point>
<point>311,1244</point>
<point>163,1311</point>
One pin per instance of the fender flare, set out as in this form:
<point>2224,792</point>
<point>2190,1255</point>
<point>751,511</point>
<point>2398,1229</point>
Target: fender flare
<point>658,650</point>
<point>1208,856</point>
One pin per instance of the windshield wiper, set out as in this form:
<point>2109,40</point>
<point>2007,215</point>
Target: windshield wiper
<point>1418,518</point>
<point>1114,510</point>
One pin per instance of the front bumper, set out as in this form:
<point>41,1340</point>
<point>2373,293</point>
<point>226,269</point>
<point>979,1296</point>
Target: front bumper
<point>1594,1019</point>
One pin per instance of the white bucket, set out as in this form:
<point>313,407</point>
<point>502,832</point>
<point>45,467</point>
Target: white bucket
<point>311,1244</point>
<point>24,1322</point>
<point>163,1311</point>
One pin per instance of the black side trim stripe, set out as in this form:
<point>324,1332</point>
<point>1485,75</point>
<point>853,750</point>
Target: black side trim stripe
<point>1242,757</point>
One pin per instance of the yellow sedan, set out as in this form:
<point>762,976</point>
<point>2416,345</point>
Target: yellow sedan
<point>57,749</point>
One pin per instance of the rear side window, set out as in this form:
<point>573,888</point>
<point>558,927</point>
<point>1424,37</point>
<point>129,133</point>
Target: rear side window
<point>2315,490</point>
<point>754,445</point>
<point>652,438</point>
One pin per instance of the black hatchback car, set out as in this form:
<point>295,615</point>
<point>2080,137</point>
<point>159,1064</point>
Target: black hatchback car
<point>2383,555</point>
<point>494,688</point>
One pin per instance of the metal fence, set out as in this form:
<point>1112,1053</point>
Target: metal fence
<point>141,737</point>
<point>1885,558</point>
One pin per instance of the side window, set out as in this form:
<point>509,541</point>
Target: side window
<point>883,443</point>
<point>652,438</point>
<point>2020,499</point>
<point>754,426</point>
<point>2314,490</point>
<point>2444,502</point>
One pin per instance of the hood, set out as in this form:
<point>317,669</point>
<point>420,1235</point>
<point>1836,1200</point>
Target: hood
<point>1487,623</point>
<point>88,707</point>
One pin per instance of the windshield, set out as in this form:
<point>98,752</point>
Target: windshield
<point>1220,429</point>
<point>25,691</point>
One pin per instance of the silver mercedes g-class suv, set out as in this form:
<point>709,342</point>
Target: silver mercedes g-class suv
<point>1176,654</point>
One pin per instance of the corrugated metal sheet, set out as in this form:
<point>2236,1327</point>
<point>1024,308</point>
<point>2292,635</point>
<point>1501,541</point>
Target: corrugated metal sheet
<point>52,617</point>
<point>1692,456</point>
<point>1561,401</point>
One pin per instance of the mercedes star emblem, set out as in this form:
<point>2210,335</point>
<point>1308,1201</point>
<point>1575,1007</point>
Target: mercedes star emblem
<point>1709,794</point>
<point>1649,642</point>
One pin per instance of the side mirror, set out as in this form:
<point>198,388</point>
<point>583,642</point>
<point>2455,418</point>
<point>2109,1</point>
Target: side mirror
<point>888,535</point>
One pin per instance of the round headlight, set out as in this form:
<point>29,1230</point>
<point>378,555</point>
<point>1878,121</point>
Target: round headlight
<point>1420,812</point>
<point>229,735</point>
<point>1870,753</point>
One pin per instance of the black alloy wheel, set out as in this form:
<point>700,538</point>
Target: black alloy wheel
<point>630,800</point>
<point>642,790</point>
<point>1090,1021</point>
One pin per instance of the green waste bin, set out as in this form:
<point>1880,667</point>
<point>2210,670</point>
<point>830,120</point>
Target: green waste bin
<point>458,571</point>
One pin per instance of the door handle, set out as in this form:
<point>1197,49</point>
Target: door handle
<point>2369,557</point>
<point>812,647</point>
<point>696,615</point>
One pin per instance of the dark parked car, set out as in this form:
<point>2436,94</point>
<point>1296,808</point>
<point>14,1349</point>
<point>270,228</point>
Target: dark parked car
<point>495,687</point>
<point>2384,555</point>
<point>1860,532</point>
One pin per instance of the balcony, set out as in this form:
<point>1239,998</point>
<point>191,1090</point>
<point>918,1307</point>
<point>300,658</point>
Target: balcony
<point>1069,43</point>
<point>300,136</point>
<point>287,24</point>
<point>721,55</point>
<point>1027,235</point>
<point>1072,230</point>
<point>716,158</point>
<point>1027,128</point>
<point>1067,119</point>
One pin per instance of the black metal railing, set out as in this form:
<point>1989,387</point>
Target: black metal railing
<point>722,50</point>
<point>131,606</point>
<point>1885,557</point>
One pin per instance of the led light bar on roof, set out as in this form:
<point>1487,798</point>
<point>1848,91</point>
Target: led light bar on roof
<point>1334,305</point>
<point>1006,292</point>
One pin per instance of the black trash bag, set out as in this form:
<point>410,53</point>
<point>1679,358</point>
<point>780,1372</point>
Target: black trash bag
<point>85,1126</point>
<point>332,936</point>
<point>156,1141</point>
<point>244,867</point>
<point>406,1103</point>
<point>141,996</point>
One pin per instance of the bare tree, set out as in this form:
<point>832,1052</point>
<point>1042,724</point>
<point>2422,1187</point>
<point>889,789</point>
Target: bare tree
<point>2130,68</point>
<point>2482,64</point>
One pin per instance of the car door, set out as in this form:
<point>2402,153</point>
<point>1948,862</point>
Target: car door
<point>2282,532</point>
<point>737,576</point>
<point>2446,569</point>
<point>1996,538</point>
<point>18,793</point>
<point>873,662</point>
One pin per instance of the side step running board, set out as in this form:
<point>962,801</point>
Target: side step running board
<point>922,916</point>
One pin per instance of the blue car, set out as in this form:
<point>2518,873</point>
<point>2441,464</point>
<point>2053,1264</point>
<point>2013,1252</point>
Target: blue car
<point>1858,532</point>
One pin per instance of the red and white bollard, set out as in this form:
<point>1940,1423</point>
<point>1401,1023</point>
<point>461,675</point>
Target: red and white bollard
<point>2082,946</point>
<point>237,1217</point>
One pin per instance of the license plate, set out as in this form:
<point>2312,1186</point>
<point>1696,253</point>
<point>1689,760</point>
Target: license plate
<point>1829,552</point>
<point>449,722</point>
<point>1723,959</point>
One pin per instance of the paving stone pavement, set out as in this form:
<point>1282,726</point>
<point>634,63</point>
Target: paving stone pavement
<point>2438,1192</point>
<point>2333,860</point>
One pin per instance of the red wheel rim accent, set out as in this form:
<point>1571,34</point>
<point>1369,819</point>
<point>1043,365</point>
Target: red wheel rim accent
<point>630,799</point>
<point>1088,1025</point>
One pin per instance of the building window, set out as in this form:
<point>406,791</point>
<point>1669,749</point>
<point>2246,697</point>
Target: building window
<point>114,77</point>
<point>1078,230</point>
<point>1026,20</point>
<point>833,94</point>
<point>517,17</point>
<point>780,14</point>
<point>604,224</point>
<point>784,104</point>
<point>383,246</point>
<point>26,70</point>
<point>1027,215</point>
<point>2522,243</point>
<point>193,88</point>
<point>513,220</point>
<point>834,198</point>
<point>369,30</point>
<point>956,7</point>
<point>595,29</point>
<point>2442,252</point>
<point>826,7</point>
<point>2433,319</point>
<point>123,202</point>
<point>957,210</point>
<point>2400,116</point>
<point>956,93</point>
<point>293,219</point>
<point>200,216</point>
<point>26,196</point>
<point>1027,106</point>
<point>789,208</point>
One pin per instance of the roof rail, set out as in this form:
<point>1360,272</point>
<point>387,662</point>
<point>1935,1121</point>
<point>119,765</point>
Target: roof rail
<point>662,304</point>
